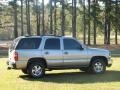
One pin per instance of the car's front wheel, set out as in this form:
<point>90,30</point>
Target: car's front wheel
<point>98,66</point>
<point>36,69</point>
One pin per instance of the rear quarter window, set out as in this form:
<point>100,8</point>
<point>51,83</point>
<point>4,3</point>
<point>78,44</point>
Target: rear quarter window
<point>29,43</point>
<point>14,43</point>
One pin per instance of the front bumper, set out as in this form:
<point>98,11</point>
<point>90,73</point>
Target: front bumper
<point>11,65</point>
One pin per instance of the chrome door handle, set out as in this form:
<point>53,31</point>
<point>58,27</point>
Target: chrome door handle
<point>66,53</point>
<point>46,53</point>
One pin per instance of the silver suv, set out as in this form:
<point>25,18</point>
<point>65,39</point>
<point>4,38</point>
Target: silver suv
<point>36,54</point>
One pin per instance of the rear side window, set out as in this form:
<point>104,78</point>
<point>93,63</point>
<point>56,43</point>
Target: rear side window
<point>52,44</point>
<point>29,43</point>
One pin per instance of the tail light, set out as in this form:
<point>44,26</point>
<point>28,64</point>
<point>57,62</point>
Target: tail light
<point>15,56</point>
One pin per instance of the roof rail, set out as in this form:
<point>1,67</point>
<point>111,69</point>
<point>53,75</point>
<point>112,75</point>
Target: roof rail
<point>27,36</point>
<point>44,35</point>
<point>52,35</point>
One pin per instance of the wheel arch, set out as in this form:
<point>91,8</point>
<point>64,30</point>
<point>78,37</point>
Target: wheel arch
<point>99,57</point>
<point>37,59</point>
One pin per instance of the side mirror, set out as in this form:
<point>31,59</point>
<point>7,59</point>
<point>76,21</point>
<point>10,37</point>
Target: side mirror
<point>80,48</point>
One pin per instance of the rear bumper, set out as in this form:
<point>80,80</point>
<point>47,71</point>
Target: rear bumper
<point>21,64</point>
<point>11,65</point>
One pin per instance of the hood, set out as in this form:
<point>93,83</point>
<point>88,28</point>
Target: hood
<point>98,52</point>
<point>98,49</point>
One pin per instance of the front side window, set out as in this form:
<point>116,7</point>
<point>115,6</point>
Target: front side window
<point>52,44</point>
<point>29,43</point>
<point>71,44</point>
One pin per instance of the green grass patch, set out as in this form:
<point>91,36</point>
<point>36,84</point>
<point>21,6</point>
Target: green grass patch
<point>61,79</point>
<point>3,53</point>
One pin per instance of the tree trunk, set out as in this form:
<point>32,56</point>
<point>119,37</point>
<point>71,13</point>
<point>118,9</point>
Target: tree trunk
<point>94,22</point>
<point>29,30</point>
<point>74,18</point>
<point>107,22</point>
<point>37,18</point>
<point>84,19</point>
<point>22,29</point>
<point>28,17</point>
<point>43,30</point>
<point>89,22</point>
<point>116,13</point>
<point>15,19</point>
<point>26,2</point>
<point>55,12</point>
<point>63,18</point>
<point>105,27</point>
<point>51,19</point>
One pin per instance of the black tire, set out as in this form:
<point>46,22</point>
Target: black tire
<point>98,66</point>
<point>85,69</point>
<point>36,69</point>
<point>24,71</point>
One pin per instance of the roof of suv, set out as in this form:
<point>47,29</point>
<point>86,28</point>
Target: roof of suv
<point>40,36</point>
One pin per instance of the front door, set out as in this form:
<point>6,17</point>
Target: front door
<point>73,53</point>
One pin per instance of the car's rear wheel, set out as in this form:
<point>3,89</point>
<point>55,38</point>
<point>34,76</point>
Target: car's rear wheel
<point>98,66</point>
<point>25,71</point>
<point>36,69</point>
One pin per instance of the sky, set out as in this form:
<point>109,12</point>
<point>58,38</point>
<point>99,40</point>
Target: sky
<point>45,1</point>
<point>4,1</point>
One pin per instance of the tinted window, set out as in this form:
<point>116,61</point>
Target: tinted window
<point>29,43</point>
<point>52,43</point>
<point>70,44</point>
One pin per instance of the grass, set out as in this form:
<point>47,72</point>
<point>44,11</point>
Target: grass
<point>3,53</point>
<point>60,79</point>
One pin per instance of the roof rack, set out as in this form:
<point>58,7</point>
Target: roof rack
<point>44,35</point>
<point>51,35</point>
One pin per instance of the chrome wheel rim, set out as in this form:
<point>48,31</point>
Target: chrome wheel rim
<point>37,70</point>
<point>98,67</point>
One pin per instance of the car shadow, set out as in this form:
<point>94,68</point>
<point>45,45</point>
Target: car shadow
<point>77,77</point>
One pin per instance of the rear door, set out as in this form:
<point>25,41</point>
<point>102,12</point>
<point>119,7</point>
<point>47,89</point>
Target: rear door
<point>52,52</point>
